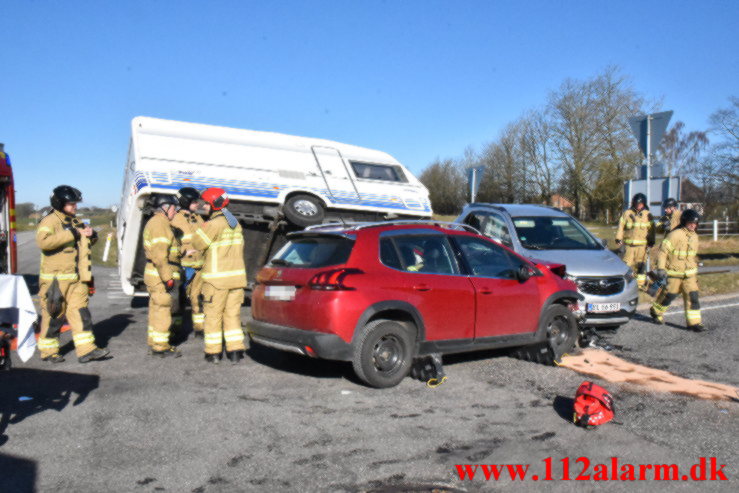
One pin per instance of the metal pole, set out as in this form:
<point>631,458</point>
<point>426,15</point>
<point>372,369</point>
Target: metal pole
<point>649,160</point>
<point>473,191</point>
<point>715,230</point>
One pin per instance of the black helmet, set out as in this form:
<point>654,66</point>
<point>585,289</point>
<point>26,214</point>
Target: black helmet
<point>689,216</point>
<point>669,202</point>
<point>187,196</point>
<point>162,199</point>
<point>639,198</point>
<point>62,195</point>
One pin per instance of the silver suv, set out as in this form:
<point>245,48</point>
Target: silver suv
<point>548,234</point>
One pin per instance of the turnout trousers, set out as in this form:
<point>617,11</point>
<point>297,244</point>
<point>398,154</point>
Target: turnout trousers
<point>635,257</point>
<point>689,288</point>
<point>160,317</point>
<point>194,290</point>
<point>73,302</point>
<point>222,309</point>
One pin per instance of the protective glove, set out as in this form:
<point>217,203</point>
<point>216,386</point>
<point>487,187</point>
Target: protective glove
<point>618,242</point>
<point>661,274</point>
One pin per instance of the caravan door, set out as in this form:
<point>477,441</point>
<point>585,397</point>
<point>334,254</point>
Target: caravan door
<point>339,182</point>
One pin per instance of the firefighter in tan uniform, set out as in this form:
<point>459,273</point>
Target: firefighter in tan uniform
<point>671,220</point>
<point>162,274</point>
<point>65,280</point>
<point>224,278</point>
<point>636,231</point>
<point>678,263</point>
<point>185,223</point>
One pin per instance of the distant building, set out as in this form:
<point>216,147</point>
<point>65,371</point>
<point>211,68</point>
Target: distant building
<point>561,203</point>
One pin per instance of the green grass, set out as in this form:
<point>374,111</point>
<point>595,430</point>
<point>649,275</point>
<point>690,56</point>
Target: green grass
<point>99,247</point>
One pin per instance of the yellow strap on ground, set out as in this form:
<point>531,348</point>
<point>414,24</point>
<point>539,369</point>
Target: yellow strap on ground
<point>432,383</point>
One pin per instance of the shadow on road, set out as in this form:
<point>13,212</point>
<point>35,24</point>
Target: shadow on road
<point>111,327</point>
<point>564,406</point>
<point>104,331</point>
<point>294,363</point>
<point>27,391</point>
<point>18,474</point>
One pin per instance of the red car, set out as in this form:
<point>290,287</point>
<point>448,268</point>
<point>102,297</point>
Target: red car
<point>382,294</point>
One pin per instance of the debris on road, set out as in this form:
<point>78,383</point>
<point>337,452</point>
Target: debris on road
<point>601,364</point>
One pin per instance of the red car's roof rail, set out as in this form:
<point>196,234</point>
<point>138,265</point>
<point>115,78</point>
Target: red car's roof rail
<point>354,226</point>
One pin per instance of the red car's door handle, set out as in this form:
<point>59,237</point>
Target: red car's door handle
<point>486,291</point>
<point>422,287</point>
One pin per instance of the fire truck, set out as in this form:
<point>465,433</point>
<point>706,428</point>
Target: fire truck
<point>8,252</point>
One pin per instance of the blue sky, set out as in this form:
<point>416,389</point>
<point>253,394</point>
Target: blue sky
<point>416,79</point>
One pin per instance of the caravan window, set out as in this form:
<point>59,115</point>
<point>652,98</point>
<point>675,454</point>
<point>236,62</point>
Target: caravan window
<point>382,172</point>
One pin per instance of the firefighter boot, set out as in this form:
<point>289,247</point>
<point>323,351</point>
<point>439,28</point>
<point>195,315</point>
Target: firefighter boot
<point>97,353</point>
<point>699,327</point>
<point>53,358</point>
<point>170,352</point>
<point>656,317</point>
<point>213,358</point>
<point>235,356</point>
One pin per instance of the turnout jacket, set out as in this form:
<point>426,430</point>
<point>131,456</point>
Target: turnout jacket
<point>184,225</point>
<point>678,254</point>
<point>636,228</point>
<point>671,222</point>
<point>223,247</point>
<point>161,249</point>
<point>63,256</point>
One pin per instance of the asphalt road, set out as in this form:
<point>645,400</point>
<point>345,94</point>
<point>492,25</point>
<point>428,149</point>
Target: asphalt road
<point>281,422</point>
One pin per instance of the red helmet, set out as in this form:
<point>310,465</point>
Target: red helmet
<point>216,197</point>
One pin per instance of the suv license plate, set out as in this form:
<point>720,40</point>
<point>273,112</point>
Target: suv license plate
<point>280,293</point>
<point>603,307</point>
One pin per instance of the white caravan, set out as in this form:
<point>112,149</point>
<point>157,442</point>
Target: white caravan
<point>272,179</point>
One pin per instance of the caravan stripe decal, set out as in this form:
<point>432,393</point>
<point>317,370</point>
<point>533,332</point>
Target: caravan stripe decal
<point>265,190</point>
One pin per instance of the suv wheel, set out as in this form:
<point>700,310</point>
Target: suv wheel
<point>561,337</point>
<point>383,353</point>
<point>562,331</point>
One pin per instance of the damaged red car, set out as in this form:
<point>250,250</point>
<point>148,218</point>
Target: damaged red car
<point>381,295</point>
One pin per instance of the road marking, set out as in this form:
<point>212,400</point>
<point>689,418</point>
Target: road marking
<point>704,309</point>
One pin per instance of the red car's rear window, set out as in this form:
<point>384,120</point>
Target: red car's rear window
<point>314,251</point>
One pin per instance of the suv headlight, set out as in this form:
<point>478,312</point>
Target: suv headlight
<point>629,276</point>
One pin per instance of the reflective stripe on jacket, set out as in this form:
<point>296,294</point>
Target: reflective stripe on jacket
<point>223,247</point>
<point>678,254</point>
<point>636,228</point>
<point>161,250</point>
<point>62,257</point>
<point>188,223</point>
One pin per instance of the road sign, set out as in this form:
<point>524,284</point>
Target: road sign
<point>649,130</point>
<point>474,178</point>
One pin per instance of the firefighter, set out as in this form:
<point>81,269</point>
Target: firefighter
<point>678,263</point>
<point>65,280</point>
<point>224,278</point>
<point>185,223</point>
<point>636,231</point>
<point>162,274</point>
<point>671,218</point>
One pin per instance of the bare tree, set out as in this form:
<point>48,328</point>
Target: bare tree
<point>447,186</point>
<point>681,151</point>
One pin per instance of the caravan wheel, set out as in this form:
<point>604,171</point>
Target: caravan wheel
<point>304,210</point>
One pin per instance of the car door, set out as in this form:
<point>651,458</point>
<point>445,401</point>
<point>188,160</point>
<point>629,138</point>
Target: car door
<point>504,305</point>
<point>339,183</point>
<point>431,282</point>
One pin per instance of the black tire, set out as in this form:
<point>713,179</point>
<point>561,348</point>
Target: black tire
<point>561,331</point>
<point>304,210</point>
<point>383,353</point>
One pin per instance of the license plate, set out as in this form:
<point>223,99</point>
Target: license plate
<point>603,307</point>
<point>280,293</point>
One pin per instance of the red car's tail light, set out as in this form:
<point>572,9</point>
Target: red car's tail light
<point>332,280</point>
